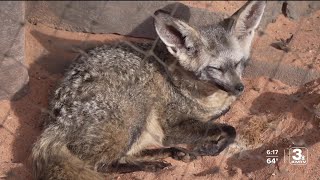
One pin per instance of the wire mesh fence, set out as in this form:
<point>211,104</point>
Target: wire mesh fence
<point>239,153</point>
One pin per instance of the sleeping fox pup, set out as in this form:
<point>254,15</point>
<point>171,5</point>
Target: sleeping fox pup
<point>115,102</point>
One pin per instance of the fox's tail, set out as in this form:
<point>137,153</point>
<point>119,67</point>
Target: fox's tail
<point>52,160</point>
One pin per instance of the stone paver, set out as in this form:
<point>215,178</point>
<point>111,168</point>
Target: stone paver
<point>13,75</point>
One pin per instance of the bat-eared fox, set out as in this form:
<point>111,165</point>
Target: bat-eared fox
<point>116,102</point>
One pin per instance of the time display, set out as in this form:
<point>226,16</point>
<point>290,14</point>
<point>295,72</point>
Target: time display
<point>272,152</point>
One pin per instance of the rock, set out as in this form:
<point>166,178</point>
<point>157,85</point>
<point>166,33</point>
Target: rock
<point>13,74</point>
<point>126,18</point>
<point>297,9</point>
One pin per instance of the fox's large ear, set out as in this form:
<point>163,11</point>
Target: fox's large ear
<point>247,18</point>
<point>176,34</point>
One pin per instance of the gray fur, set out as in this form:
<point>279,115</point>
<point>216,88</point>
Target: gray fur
<point>115,102</point>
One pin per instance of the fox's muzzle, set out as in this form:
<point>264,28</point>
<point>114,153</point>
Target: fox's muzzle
<point>236,90</point>
<point>239,88</point>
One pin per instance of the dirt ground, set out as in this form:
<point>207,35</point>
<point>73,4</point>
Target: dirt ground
<point>270,115</point>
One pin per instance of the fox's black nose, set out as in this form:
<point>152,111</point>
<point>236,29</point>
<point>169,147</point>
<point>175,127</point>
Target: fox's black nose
<point>239,87</point>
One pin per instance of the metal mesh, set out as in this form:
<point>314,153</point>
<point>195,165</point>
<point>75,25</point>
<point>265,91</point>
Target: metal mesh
<point>228,163</point>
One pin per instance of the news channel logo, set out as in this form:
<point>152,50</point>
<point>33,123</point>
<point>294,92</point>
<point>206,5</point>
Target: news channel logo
<point>298,155</point>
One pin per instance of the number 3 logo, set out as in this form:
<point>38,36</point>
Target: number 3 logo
<point>298,155</point>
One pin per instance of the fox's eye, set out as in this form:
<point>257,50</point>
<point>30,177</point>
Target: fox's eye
<point>215,68</point>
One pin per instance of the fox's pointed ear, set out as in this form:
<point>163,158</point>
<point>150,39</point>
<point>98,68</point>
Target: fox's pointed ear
<point>247,18</point>
<point>176,34</point>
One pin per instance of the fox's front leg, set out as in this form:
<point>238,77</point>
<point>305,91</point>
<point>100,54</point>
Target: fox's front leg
<point>205,138</point>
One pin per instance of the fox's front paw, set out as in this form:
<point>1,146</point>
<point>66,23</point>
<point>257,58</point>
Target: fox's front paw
<point>207,149</point>
<point>183,155</point>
